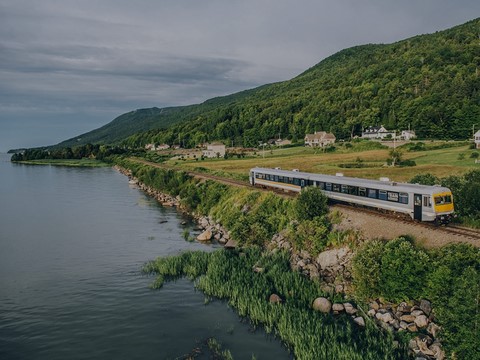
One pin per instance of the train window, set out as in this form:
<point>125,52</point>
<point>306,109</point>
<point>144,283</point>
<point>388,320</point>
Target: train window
<point>403,198</point>
<point>344,189</point>
<point>276,178</point>
<point>382,195</point>
<point>362,191</point>
<point>441,200</point>
<point>392,196</point>
<point>336,187</point>
<point>296,181</point>
<point>427,202</point>
<point>290,180</point>
<point>322,185</point>
<point>372,193</point>
<point>328,186</point>
<point>352,190</point>
<point>280,179</point>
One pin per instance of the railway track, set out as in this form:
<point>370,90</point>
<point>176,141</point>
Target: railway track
<point>454,230</point>
<point>449,229</point>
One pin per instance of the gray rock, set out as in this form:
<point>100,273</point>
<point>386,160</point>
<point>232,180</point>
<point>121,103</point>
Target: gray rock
<point>359,321</point>
<point>331,257</point>
<point>386,318</point>
<point>205,236</point>
<point>407,318</point>
<point>322,304</point>
<point>371,312</point>
<point>426,306</point>
<point>338,307</point>
<point>412,327</point>
<point>403,325</point>
<point>275,299</point>
<point>421,321</point>
<point>349,309</point>
<point>339,288</point>
<point>417,313</point>
<point>231,244</point>
<point>374,305</point>
<point>433,329</point>
<point>437,351</point>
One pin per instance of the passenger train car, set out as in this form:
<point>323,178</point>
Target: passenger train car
<point>420,202</point>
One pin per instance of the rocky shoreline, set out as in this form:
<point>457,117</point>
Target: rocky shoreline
<point>332,268</point>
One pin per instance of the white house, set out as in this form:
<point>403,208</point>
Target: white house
<point>319,139</point>
<point>476,138</point>
<point>408,135</point>
<point>375,132</point>
<point>214,150</point>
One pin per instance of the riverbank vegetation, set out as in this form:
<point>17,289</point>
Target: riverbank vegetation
<point>450,277</point>
<point>307,333</point>
<point>393,271</point>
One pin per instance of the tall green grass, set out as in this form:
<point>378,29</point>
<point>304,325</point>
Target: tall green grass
<point>308,334</point>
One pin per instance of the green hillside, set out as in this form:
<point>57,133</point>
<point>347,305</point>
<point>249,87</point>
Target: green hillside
<point>430,83</point>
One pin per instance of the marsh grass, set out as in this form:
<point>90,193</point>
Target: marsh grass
<point>308,334</point>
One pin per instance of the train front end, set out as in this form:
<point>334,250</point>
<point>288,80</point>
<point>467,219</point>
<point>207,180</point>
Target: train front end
<point>444,208</point>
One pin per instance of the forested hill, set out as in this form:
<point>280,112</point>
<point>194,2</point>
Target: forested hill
<point>430,83</point>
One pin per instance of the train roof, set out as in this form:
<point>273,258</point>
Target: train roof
<point>345,180</point>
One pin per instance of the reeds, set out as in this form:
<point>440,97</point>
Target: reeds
<point>309,334</point>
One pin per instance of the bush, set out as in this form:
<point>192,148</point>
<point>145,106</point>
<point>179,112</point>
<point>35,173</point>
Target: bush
<point>310,203</point>
<point>366,269</point>
<point>403,270</point>
<point>425,179</point>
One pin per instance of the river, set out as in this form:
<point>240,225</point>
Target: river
<point>72,244</point>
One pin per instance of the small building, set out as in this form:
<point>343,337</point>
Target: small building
<point>163,147</point>
<point>319,139</point>
<point>407,135</point>
<point>377,132</point>
<point>154,147</point>
<point>476,138</point>
<point>280,142</point>
<point>214,150</point>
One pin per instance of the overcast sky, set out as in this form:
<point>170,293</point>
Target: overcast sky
<point>68,67</point>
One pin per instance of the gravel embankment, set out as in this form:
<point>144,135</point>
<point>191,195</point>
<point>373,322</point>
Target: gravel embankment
<point>373,226</point>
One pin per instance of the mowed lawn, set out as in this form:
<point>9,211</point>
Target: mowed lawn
<point>440,162</point>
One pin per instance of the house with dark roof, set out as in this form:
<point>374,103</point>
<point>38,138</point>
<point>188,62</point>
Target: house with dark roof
<point>377,132</point>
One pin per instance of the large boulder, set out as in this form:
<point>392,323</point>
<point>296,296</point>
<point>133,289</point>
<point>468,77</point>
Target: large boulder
<point>331,258</point>
<point>322,304</point>
<point>205,236</point>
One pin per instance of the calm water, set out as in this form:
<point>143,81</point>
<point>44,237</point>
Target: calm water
<point>72,243</point>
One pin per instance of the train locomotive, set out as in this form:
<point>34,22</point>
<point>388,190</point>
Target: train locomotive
<point>419,202</point>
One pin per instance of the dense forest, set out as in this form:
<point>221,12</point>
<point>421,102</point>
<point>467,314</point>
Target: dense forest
<point>430,83</point>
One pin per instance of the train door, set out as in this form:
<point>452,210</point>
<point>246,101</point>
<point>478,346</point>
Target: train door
<point>302,183</point>
<point>417,207</point>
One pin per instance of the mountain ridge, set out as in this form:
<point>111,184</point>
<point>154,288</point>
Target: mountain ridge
<point>429,82</point>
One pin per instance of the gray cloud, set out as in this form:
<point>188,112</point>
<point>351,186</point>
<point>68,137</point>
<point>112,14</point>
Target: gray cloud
<point>69,66</point>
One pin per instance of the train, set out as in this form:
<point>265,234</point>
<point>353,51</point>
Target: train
<point>419,202</point>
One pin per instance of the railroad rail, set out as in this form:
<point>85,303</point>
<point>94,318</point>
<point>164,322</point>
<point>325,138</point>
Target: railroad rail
<point>450,229</point>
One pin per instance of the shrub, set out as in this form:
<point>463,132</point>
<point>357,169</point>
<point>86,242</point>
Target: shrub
<point>425,179</point>
<point>310,203</point>
<point>366,269</point>
<point>403,270</point>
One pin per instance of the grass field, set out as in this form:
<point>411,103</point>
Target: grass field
<point>439,162</point>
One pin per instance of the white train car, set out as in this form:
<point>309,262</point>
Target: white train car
<point>420,202</point>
